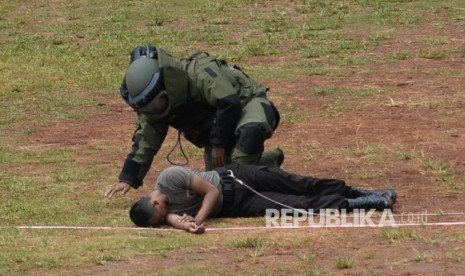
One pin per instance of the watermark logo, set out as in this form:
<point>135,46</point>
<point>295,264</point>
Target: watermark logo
<point>335,217</point>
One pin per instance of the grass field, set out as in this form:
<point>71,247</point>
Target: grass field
<point>369,91</point>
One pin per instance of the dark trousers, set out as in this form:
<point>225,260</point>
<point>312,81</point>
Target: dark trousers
<point>301,192</point>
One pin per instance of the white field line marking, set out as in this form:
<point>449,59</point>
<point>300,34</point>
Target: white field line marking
<point>403,214</point>
<point>66,227</point>
<point>44,227</point>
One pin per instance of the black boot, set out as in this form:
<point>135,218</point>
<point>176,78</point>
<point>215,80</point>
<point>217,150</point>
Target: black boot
<point>358,192</point>
<point>372,201</point>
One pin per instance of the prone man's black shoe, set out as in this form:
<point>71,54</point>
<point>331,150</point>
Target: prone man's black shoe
<point>372,201</point>
<point>388,192</point>
<point>358,192</point>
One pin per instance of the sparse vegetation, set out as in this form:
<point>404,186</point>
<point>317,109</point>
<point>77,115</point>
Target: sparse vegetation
<point>397,234</point>
<point>394,68</point>
<point>345,262</point>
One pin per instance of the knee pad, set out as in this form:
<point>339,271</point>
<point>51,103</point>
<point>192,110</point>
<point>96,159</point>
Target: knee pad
<point>250,138</point>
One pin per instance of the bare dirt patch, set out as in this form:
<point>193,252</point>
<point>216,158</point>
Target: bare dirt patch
<point>424,115</point>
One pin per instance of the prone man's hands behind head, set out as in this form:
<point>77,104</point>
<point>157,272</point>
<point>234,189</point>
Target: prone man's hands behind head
<point>121,187</point>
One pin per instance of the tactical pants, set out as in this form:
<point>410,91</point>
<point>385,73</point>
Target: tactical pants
<point>294,190</point>
<point>257,124</point>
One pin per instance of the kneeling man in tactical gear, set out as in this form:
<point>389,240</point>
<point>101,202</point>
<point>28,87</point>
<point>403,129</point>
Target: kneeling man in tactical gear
<point>215,105</point>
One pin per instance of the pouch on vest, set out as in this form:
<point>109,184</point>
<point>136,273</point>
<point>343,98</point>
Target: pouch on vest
<point>192,117</point>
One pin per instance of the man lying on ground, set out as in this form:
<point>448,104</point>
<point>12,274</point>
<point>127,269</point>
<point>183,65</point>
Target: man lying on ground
<point>184,198</point>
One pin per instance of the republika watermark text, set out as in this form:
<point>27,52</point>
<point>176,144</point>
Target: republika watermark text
<point>335,217</point>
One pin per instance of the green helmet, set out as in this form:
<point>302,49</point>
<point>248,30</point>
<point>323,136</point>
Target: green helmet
<point>144,82</point>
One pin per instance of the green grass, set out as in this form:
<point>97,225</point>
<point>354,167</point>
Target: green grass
<point>248,242</point>
<point>345,262</point>
<point>316,272</point>
<point>398,234</point>
<point>444,173</point>
<point>61,64</point>
<point>33,250</point>
<point>352,93</point>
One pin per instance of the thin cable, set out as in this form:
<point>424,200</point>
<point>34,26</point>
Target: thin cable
<point>276,202</point>
<point>231,174</point>
<point>178,141</point>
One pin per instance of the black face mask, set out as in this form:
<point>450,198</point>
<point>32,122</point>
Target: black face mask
<point>158,105</point>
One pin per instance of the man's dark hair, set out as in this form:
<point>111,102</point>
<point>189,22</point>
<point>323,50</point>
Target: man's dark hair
<point>142,211</point>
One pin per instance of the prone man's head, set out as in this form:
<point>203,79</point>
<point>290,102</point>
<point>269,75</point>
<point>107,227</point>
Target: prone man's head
<point>142,212</point>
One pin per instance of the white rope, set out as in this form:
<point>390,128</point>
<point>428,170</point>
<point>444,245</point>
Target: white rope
<point>66,227</point>
<point>460,223</point>
<point>63,227</point>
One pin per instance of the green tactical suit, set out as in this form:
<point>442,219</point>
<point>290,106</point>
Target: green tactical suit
<point>211,103</point>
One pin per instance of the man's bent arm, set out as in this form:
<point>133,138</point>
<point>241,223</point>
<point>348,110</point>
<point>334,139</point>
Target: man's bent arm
<point>190,226</point>
<point>211,194</point>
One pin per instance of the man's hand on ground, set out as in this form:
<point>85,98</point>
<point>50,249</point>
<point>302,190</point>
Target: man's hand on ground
<point>192,227</point>
<point>121,187</point>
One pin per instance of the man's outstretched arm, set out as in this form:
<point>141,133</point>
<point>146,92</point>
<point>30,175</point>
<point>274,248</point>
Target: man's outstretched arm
<point>185,223</point>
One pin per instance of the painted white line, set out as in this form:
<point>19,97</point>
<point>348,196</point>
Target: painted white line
<point>163,229</point>
<point>45,227</point>
<point>64,227</point>
<point>461,223</point>
<point>403,214</point>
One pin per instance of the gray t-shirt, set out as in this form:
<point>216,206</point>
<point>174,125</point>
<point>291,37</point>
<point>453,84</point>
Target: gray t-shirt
<point>175,182</point>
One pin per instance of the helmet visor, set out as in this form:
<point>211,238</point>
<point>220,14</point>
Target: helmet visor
<point>157,105</point>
